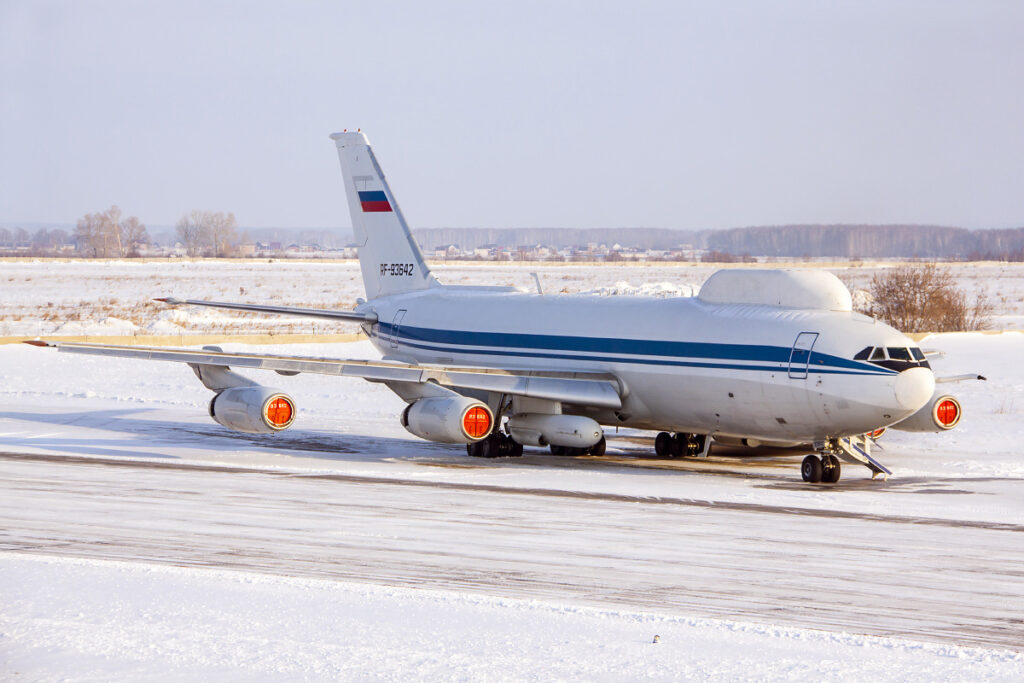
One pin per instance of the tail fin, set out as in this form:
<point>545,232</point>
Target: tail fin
<point>391,261</point>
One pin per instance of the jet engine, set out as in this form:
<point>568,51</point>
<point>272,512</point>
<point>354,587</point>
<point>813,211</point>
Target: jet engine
<point>940,414</point>
<point>538,429</point>
<point>455,419</point>
<point>253,409</point>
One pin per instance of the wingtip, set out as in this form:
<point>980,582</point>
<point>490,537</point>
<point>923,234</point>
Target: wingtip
<point>169,300</point>
<point>36,342</point>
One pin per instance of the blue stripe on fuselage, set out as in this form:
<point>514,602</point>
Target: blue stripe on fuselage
<point>619,350</point>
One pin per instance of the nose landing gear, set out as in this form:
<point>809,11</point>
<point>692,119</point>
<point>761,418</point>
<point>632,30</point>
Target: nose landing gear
<point>855,449</point>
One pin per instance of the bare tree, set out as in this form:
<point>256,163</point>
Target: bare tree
<point>110,229</point>
<point>133,236</point>
<point>5,237</point>
<point>88,234</point>
<point>41,240</point>
<point>191,230</point>
<point>107,235</point>
<point>211,232</point>
<point>223,232</point>
<point>925,298</point>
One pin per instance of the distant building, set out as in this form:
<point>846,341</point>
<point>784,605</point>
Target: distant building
<point>447,251</point>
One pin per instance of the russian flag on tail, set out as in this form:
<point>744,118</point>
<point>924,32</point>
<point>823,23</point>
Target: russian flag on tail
<point>374,201</point>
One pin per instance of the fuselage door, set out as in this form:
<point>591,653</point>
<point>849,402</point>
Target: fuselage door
<point>396,325</point>
<point>800,355</point>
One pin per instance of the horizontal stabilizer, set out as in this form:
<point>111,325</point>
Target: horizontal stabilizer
<point>961,378</point>
<point>281,310</point>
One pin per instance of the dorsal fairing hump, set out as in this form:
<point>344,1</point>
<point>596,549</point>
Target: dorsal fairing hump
<point>805,289</point>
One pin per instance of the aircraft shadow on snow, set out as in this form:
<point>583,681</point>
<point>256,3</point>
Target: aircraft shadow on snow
<point>628,454</point>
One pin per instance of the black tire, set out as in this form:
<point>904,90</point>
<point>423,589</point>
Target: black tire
<point>830,469</point>
<point>663,445</point>
<point>678,446</point>
<point>515,449</point>
<point>557,450</point>
<point>811,469</point>
<point>490,447</point>
<point>598,448</point>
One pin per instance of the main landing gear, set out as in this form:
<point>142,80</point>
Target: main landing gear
<point>496,445</point>
<point>677,445</point>
<point>824,469</point>
<point>504,446</point>
<point>597,449</point>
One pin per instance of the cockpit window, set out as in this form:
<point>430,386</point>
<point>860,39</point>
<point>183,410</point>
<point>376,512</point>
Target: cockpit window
<point>863,353</point>
<point>917,353</point>
<point>899,353</point>
<point>878,354</point>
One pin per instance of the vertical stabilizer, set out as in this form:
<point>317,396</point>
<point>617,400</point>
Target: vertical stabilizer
<point>391,261</point>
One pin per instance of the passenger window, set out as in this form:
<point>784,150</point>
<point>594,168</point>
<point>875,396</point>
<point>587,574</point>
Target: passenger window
<point>899,353</point>
<point>917,353</point>
<point>863,353</point>
<point>878,354</point>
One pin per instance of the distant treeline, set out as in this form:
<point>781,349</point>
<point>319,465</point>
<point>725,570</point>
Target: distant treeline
<point>472,238</point>
<point>844,241</point>
<point>870,241</point>
<point>95,235</point>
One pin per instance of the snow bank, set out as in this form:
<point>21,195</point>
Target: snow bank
<point>88,619</point>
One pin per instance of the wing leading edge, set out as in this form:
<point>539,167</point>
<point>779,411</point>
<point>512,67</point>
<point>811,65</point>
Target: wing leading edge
<point>588,389</point>
<point>351,316</point>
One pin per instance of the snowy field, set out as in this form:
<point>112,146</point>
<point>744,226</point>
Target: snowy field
<point>156,542</point>
<point>141,540</point>
<point>116,297</point>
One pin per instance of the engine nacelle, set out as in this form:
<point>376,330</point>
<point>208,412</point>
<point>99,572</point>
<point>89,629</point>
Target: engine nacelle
<point>444,419</point>
<point>253,409</point>
<point>539,429</point>
<point>940,414</point>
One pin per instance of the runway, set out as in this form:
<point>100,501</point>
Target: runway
<point>882,573</point>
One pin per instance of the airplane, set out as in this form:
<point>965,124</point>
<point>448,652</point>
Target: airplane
<point>757,357</point>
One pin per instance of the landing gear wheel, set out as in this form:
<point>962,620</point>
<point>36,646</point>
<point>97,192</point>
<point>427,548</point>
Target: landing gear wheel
<point>598,448</point>
<point>811,469</point>
<point>678,449</point>
<point>663,445</point>
<point>558,450</point>
<point>495,446</point>
<point>830,469</point>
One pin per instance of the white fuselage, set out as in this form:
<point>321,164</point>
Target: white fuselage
<point>686,365</point>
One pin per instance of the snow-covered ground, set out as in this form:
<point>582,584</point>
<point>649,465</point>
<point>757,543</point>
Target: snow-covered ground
<point>358,551</point>
<point>126,621</point>
<point>138,539</point>
<point>48,297</point>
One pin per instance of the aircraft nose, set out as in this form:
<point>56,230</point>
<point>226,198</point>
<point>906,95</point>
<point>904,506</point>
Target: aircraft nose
<point>914,387</point>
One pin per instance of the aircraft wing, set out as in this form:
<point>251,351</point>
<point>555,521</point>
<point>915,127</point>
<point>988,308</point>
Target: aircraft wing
<point>590,389</point>
<point>282,310</point>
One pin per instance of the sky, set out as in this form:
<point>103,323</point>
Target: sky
<point>518,114</point>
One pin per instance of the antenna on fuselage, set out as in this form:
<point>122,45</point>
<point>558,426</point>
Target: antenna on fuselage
<point>536,279</point>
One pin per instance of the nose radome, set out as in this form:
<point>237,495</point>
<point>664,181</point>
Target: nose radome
<point>914,387</point>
